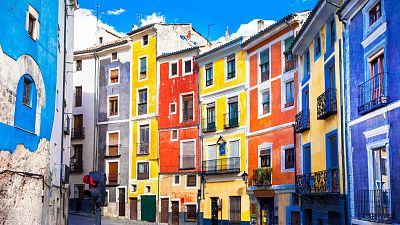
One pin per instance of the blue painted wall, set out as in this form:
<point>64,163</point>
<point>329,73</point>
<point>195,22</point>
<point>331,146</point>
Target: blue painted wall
<point>14,41</point>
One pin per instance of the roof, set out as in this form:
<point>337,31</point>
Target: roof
<point>219,47</point>
<point>102,46</point>
<point>110,32</point>
<point>141,29</point>
<point>178,52</point>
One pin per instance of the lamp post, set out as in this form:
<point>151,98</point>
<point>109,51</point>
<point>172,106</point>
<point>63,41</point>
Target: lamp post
<point>244,177</point>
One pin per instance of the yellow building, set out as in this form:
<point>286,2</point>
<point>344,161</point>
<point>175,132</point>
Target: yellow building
<point>149,42</point>
<point>223,106</point>
<point>320,181</point>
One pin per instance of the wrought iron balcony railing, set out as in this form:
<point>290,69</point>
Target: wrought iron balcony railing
<point>302,122</point>
<point>143,148</point>
<point>372,94</point>
<point>220,166</point>
<point>262,176</point>
<point>374,205</point>
<point>325,181</point>
<point>187,162</point>
<point>326,104</point>
<point>209,124</point>
<point>78,133</point>
<point>231,119</point>
<point>187,115</point>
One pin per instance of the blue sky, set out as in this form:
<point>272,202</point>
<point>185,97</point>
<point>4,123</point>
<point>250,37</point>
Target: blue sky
<point>199,12</point>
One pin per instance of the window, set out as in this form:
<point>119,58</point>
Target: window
<point>331,37</point>
<point>100,40</point>
<point>172,108</point>
<point>76,159</point>
<point>78,65</point>
<point>187,160</point>
<point>188,66</point>
<point>289,92</point>
<point>26,99</point>
<point>144,139</point>
<point>265,157</point>
<point>289,158</point>
<point>380,171</point>
<point>31,26</point>
<point>142,105</point>
<point>317,46</point>
<point>187,108</point>
<point>78,96</point>
<point>147,189</point>
<point>209,75</point>
<point>231,66</point>
<point>174,69</point>
<point>143,171</point>
<point>114,76</point>
<point>112,173</point>
<point>191,213</point>
<point>176,180</point>
<point>32,23</point>
<point>234,209</point>
<point>210,120</point>
<point>375,13</point>
<point>289,58</point>
<point>191,180</point>
<point>143,68</point>
<point>307,69</point>
<point>113,106</point>
<point>265,102</point>
<point>78,191</point>
<point>174,135</point>
<point>264,65</point>
<point>113,146</point>
<point>233,113</point>
<point>133,188</point>
<point>145,40</point>
<point>114,56</point>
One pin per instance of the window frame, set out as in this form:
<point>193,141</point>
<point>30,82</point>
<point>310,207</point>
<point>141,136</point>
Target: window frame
<point>109,75</point>
<point>169,108</point>
<point>229,59</point>
<point>170,69</point>
<point>181,114</point>
<point>186,181</point>
<point>76,96</point>
<point>261,113</point>
<point>283,158</point>
<point>172,136</point>
<point>112,56</point>
<point>139,68</point>
<point>184,73</point>
<point>194,153</point>
<point>186,212</point>
<point>285,101</point>
<point>32,25</point>
<point>27,92</point>
<point>107,162</point>
<point>317,39</point>
<point>173,180</point>
<point>137,169</point>
<point>139,138</point>
<point>109,132</point>
<point>259,67</point>
<point>261,147</point>
<point>207,82</point>
<point>139,103</point>
<point>79,65</point>
<point>109,106</point>
<point>239,209</point>
<point>146,36</point>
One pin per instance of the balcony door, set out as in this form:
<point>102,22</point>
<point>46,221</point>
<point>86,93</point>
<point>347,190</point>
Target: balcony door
<point>212,155</point>
<point>234,161</point>
<point>377,68</point>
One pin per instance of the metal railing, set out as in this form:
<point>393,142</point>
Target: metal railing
<point>372,93</point>
<point>78,133</point>
<point>225,165</point>
<point>325,181</point>
<point>209,124</point>
<point>262,176</point>
<point>326,104</point>
<point>143,148</point>
<point>187,162</point>
<point>373,205</point>
<point>302,121</point>
<point>231,119</point>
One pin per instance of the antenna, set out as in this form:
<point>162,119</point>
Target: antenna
<point>97,15</point>
<point>208,31</point>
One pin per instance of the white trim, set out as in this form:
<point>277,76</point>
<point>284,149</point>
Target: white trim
<point>181,106</point>
<point>173,180</point>
<point>113,121</point>
<point>109,75</point>
<point>108,196</point>
<point>258,64</point>
<point>374,35</point>
<point>108,106</point>
<point>145,192</point>
<point>131,188</point>
<point>375,113</point>
<point>169,108</point>
<point>177,135</point>
<point>175,200</point>
<point>147,68</point>
<point>377,131</point>
<point>108,139</point>
<point>185,204</point>
<point>260,114</point>
<point>286,78</point>
<point>114,60</point>
<point>170,76</point>
<point>283,157</point>
<point>184,66</point>
<point>223,91</point>
<point>139,124</point>
<point>36,28</point>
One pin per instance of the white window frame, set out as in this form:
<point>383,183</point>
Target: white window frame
<point>113,60</point>
<point>283,156</point>
<point>131,190</point>
<point>260,107</point>
<point>184,66</point>
<point>145,191</point>
<point>137,100</point>
<point>108,138</point>
<point>170,69</point>
<point>169,108</point>
<point>181,151</point>
<point>36,29</point>
<point>205,76</point>
<point>137,168</point>
<point>286,78</point>
<point>181,105</point>
<point>237,94</point>
<point>117,193</point>
<point>147,67</point>
<point>197,181</point>
<point>173,180</point>
<point>263,146</point>
<point>177,135</point>
<point>108,106</point>
<point>107,161</point>
<point>226,68</point>
<point>109,75</point>
<point>259,67</point>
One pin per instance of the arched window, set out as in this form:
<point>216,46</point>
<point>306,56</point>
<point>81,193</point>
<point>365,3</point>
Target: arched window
<point>25,105</point>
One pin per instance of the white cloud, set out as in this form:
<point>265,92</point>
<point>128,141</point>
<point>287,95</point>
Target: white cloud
<point>116,12</point>
<point>153,18</point>
<point>246,30</point>
<point>85,27</point>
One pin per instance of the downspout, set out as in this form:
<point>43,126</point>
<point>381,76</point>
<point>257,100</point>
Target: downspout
<point>96,150</point>
<point>200,149</point>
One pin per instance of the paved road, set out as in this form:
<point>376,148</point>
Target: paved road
<point>82,219</point>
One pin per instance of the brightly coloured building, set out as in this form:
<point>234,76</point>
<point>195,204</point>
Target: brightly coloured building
<point>372,97</point>
<point>272,87</point>
<point>223,111</point>
<point>320,181</point>
<point>149,42</point>
<point>179,145</point>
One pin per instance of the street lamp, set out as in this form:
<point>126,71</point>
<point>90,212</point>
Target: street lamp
<point>245,176</point>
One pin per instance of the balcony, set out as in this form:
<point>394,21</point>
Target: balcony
<point>373,205</point>
<point>209,124</point>
<point>231,120</point>
<point>302,122</point>
<point>187,162</point>
<point>262,176</point>
<point>221,166</point>
<point>321,182</point>
<point>76,165</point>
<point>143,148</point>
<point>372,94</point>
<point>326,104</point>
<point>78,133</point>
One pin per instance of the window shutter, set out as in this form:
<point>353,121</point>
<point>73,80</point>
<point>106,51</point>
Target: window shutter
<point>113,172</point>
<point>288,44</point>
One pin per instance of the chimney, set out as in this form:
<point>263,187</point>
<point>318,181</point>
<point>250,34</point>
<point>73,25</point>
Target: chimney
<point>260,25</point>
<point>227,35</point>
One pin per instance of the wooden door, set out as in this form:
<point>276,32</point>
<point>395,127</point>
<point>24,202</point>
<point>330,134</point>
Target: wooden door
<point>175,212</point>
<point>121,199</point>
<point>148,208</point>
<point>295,216</point>
<point>214,211</point>
<point>133,208</point>
<point>164,210</point>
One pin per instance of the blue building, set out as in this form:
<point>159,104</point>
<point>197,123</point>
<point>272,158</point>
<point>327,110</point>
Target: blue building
<point>372,83</point>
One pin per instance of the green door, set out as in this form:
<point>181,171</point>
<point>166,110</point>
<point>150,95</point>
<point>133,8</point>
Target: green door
<point>148,208</point>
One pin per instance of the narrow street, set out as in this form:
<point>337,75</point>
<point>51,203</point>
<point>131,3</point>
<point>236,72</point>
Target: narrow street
<point>83,219</point>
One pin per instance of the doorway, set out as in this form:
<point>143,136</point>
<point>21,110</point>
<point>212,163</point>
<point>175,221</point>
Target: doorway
<point>214,211</point>
<point>164,210</point>
<point>133,208</point>
<point>175,212</point>
<point>121,200</point>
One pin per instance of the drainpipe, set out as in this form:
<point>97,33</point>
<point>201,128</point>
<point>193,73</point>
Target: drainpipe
<point>295,156</point>
<point>96,150</point>
<point>200,149</point>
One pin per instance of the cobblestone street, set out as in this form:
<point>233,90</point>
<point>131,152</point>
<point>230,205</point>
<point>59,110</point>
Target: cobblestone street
<point>86,219</point>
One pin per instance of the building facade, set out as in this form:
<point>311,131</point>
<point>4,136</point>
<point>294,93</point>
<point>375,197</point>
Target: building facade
<point>321,179</point>
<point>149,42</point>
<point>272,87</point>
<point>372,109</point>
<point>179,143</point>
<point>223,96</point>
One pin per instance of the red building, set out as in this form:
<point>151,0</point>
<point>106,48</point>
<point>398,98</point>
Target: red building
<point>179,146</point>
<point>272,76</point>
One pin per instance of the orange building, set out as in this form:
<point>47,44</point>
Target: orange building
<point>272,84</point>
<point>179,146</point>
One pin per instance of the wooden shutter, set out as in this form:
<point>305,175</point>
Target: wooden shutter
<point>114,76</point>
<point>113,172</point>
<point>113,144</point>
<point>234,209</point>
<point>191,180</point>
